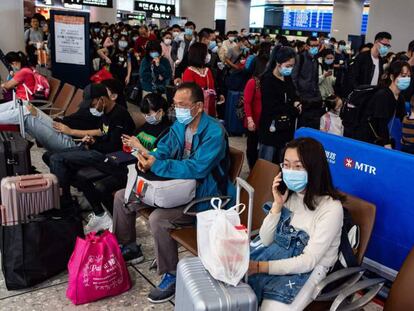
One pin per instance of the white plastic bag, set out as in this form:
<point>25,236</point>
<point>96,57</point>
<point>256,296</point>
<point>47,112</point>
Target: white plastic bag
<point>223,244</point>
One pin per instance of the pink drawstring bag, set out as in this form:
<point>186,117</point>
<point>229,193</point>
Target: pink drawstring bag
<point>96,269</point>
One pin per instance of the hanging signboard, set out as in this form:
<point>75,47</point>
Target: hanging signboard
<point>156,8</point>
<point>100,3</point>
<point>70,39</point>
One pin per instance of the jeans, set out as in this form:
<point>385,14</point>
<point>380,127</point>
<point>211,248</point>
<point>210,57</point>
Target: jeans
<point>270,153</point>
<point>39,127</point>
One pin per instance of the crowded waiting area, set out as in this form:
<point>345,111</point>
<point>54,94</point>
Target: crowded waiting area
<point>206,155</point>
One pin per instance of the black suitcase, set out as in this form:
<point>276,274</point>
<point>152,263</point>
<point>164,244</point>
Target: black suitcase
<point>14,155</point>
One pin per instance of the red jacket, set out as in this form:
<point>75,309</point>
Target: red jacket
<point>141,43</point>
<point>252,101</point>
<point>206,82</point>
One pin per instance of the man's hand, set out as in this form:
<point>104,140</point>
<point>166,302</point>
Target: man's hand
<point>145,162</point>
<point>62,128</point>
<point>177,81</point>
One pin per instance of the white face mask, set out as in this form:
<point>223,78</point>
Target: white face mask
<point>167,41</point>
<point>176,34</point>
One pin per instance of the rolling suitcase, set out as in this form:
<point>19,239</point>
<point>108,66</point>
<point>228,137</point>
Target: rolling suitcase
<point>197,290</point>
<point>14,155</point>
<point>233,124</point>
<point>25,196</point>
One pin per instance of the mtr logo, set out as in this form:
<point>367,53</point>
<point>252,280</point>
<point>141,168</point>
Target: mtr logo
<point>366,168</point>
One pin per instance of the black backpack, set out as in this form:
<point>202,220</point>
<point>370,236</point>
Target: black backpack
<point>355,109</point>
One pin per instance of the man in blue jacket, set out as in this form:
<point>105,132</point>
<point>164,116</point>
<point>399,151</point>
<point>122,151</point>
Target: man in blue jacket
<point>195,148</point>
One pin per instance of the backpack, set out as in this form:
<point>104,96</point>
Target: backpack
<point>350,237</point>
<point>355,109</point>
<point>42,87</point>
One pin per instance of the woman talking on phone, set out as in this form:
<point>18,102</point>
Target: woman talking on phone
<point>155,70</point>
<point>309,217</point>
<point>327,78</point>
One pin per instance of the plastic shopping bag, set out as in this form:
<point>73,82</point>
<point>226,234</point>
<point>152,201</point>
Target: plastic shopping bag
<point>101,75</point>
<point>223,244</point>
<point>96,269</point>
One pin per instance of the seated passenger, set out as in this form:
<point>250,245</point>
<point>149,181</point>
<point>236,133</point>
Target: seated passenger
<point>153,107</point>
<point>309,215</point>
<point>193,149</point>
<point>116,121</point>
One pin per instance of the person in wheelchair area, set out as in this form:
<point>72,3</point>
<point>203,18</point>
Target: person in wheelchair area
<point>299,239</point>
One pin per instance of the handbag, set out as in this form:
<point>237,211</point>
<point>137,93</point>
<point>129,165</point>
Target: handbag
<point>96,269</point>
<point>283,121</point>
<point>380,141</point>
<point>35,251</point>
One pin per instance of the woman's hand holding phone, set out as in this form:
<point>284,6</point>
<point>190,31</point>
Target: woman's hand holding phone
<point>279,198</point>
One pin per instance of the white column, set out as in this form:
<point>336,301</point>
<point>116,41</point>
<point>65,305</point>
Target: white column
<point>11,22</point>
<point>347,18</point>
<point>238,14</point>
<point>394,16</point>
<point>201,12</point>
<point>103,15</point>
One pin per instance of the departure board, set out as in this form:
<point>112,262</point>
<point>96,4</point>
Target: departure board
<point>313,18</point>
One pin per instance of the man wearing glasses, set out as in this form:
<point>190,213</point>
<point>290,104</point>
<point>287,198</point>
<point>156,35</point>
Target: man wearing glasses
<point>368,66</point>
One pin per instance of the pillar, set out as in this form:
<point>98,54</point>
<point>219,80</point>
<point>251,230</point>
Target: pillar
<point>347,18</point>
<point>396,17</point>
<point>201,12</point>
<point>103,15</point>
<point>11,22</point>
<point>238,14</point>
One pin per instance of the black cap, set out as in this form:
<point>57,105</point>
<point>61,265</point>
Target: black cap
<point>91,92</point>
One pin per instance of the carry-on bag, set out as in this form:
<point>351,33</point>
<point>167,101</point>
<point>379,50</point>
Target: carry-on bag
<point>14,155</point>
<point>28,195</point>
<point>35,251</point>
<point>96,269</point>
<point>197,290</point>
<point>233,124</point>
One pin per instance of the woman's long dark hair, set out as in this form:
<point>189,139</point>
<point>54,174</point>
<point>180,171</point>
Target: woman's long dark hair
<point>17,57</point>
<point>395,69</point>
<point>313,158</point>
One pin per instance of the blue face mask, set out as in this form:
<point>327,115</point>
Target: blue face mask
<point>403,83</point>
<point>383,50</point>
<point>252,41</point>
<point>188,31</point>
<point>154,54</point>
<point>152,119</point>
<point>342,48</point>
<point>313,50</point>
<point>212,45</point>
<point>286,71</point>
<point>183,115</point>
<point>95,112</point>
<point>295,180</point>
<point>329,61</point>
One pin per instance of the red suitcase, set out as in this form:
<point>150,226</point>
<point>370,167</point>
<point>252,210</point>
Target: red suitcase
<point>23,196</point>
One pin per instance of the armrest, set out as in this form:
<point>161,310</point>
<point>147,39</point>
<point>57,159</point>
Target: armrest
<point>226,200</point>
<point>39,103</point>
<point>375,286</point>
<point>355,275</point>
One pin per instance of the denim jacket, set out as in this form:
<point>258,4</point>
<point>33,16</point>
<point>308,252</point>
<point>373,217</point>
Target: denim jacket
<point>288,242</point>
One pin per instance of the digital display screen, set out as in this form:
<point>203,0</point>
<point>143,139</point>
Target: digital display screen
<point>314,18</point>
<point>100,3</point>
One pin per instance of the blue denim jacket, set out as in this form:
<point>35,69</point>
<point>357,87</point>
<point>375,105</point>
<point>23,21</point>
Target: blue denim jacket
<point>288,242</point>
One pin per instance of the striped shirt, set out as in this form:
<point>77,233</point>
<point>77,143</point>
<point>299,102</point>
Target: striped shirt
<point>408,131</point>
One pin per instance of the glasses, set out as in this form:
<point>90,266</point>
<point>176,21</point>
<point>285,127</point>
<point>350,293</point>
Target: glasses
<point>385,44</point>
<point>294,167</point>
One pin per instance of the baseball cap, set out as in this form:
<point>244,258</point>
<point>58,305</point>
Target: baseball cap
<point>91,92</point>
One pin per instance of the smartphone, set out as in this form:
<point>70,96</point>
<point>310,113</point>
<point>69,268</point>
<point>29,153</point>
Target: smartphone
<point>282,187</point>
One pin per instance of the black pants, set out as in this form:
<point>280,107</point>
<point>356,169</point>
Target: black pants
<point>252,152</point>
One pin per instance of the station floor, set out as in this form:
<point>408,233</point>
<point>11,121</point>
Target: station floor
<point>51,295</point>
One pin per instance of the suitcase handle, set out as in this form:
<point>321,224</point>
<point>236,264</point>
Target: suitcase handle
<point>31,177</point>
<point>38,184</point>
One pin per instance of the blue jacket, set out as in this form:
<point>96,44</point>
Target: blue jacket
<point>288,243</point>
<point>208,149</point>
<point>150,75</point>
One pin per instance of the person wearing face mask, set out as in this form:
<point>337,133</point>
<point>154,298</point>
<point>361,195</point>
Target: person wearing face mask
<point>368,67</point>
<point>144,37</point>
<point>180,49</point>
<point>277,119</point>
<point>327,78</point>
<point>310,215</point>
<point>227,45</point>
<point>155,70</point>
<point>22,77</point>
<point>331,122</point>
<point>195,147</point>
<point>115,122</point>
<point>341,66</point>
<point>166,46</point>
<point>386,106</point>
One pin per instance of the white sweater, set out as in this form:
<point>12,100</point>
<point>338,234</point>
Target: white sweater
<point>323,227</point>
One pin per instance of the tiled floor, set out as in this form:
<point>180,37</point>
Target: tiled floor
<point>50,295</point>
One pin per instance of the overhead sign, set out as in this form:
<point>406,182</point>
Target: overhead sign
<point>70,39</point>
<point>159,9</point>
<point>100,3</point>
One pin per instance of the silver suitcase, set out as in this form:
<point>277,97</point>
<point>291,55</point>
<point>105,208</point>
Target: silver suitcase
<point>197,290</point>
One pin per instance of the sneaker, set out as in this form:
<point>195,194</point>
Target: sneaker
<point>165,291</point>
<point>132,254</point>
<point>98,223</point>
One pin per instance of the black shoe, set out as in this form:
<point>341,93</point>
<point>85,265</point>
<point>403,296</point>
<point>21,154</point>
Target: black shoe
<point>132,254</point>
<point>165,291</point>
